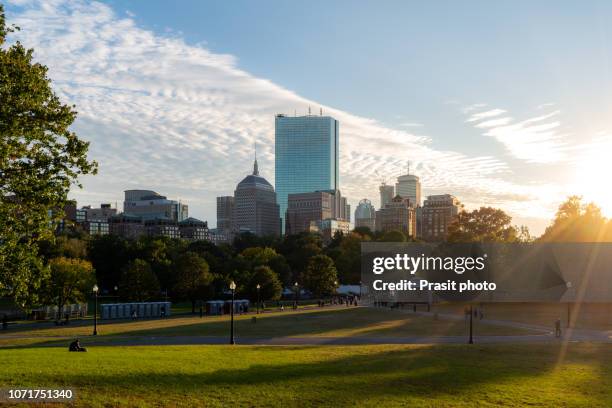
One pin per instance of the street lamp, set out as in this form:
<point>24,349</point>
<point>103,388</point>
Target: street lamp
<point>471,340</point>
<point>295,302</point>
<point>95,291</point>
<point>116,294</point>
<point>232,287</point>
<point>258,287</point>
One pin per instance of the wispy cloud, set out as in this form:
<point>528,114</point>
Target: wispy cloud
<point>484,115</point>
<point>178,118</point>
<point>534,140</point>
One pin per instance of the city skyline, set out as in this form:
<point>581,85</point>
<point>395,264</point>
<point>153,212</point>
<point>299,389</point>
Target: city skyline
<point>168,111</point>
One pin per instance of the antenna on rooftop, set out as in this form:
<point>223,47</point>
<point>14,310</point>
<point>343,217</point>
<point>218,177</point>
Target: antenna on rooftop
<point>255,166</point>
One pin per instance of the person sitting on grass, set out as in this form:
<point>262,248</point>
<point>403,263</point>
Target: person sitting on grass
<point>76,346</point>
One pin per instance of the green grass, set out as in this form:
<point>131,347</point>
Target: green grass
<point>339,322</point>
<point>443,375</point>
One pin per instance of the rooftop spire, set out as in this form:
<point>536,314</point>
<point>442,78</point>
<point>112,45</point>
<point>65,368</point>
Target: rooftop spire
<point>255,167</point>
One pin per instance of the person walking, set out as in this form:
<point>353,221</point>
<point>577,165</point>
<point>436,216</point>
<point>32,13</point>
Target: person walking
<point>558,328</point>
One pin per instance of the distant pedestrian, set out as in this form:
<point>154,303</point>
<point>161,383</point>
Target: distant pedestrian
<point>76,346</point>
<point>4,322</point>
<point>558,328</point>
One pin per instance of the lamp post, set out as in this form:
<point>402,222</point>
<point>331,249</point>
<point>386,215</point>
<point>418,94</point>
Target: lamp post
<point>95,291</point>
<point>116,294</point>
<point>233,289</point>
<point>471,340</point>
<point>258,287</point>
<point>295,302</point>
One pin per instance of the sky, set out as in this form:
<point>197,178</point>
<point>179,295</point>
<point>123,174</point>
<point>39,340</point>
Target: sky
<point>503,104</point>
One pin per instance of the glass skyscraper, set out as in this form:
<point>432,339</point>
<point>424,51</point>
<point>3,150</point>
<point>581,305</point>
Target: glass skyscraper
<point>306,156</point>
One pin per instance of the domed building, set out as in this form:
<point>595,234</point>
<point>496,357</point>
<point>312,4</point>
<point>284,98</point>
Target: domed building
<point>255,207</point>
<point>365,215</point>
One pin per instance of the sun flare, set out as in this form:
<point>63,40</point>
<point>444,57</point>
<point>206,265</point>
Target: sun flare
<point>593,175</point>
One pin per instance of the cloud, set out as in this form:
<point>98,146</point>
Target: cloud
<point>164,115</point>
<point>483,115</point>
<point>534,140</point>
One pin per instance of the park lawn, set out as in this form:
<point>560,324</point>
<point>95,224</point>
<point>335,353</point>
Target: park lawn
<point>339,376</point>
<point>337,322</point>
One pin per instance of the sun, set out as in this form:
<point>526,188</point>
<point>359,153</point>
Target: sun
<point>593,176</point>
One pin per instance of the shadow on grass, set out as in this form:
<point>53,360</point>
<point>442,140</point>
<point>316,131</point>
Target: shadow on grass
<point>451,373</point>
<point>349,322</point>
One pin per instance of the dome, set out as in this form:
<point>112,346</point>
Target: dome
<point>365,209</point>
<point>255,180</point>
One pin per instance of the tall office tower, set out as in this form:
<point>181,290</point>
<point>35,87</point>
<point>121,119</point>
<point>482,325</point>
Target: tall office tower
<point>365,215</point>
<point>225,214</point>
<point>398,215</point>
<point>409,186</point>
<point>303,209</point>
<point>150,205</point>
<point>437,213</point>
<point>306,156</point>
<point>386,194</point>
<point>255,208</point>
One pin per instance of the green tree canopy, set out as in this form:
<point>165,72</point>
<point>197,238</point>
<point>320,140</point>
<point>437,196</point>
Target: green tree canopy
<point>485,224</point>
<point>40,159</point>
<point>271,286</point>
<point>320,277</point>
<point>138,282</point>
<point>347,257</point>
<point>393,236</point>
<point>193,277</point>
<point>70,280</point>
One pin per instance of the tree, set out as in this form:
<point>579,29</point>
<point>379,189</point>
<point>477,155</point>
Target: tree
<point>271,286</point>
<point>320,277</point>
<point>109,254</point>
<point>69,281</point>
<point>193,277</point>
<point>258,255</point>
<point>578,222</point>
<point>298,249</point>
<point>364,232</point>
<point>40,159</point>
<point>138,282</point>
<point>485,224</point>
<point>267,256</point>
<point>347,257</point>
<point>393,236</point>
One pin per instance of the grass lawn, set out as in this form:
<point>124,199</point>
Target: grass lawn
<point>442,375</point>
<point>304,323</point>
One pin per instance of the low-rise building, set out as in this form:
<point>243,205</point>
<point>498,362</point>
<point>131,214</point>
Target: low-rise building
<point>438,212</point>
<point>162,227</point>
<point>305,208</point>
<point>126,226</point>
<point>397,215</point>
<point>193,229</point>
